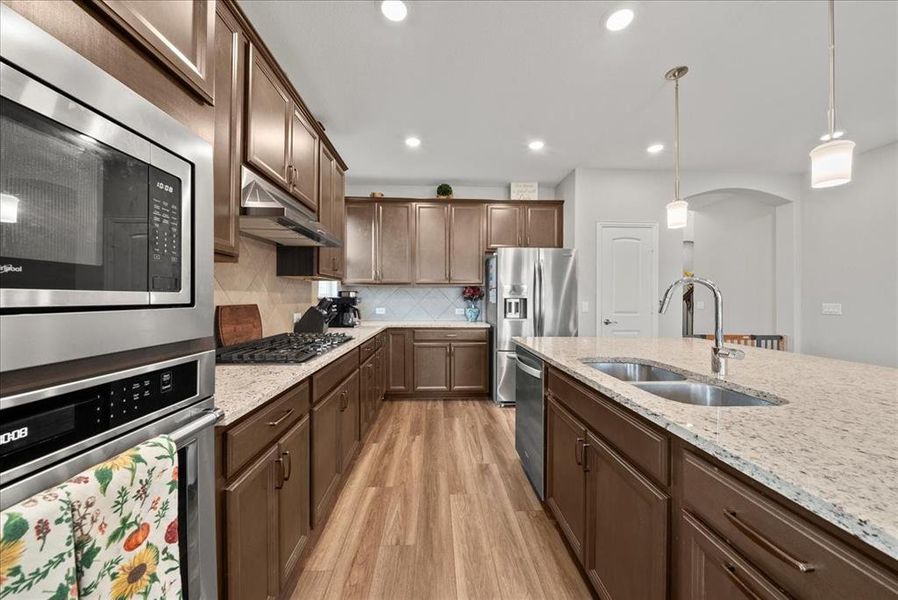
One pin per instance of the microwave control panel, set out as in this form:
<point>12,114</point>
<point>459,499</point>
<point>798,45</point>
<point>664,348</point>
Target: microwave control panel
<point>165,232</point>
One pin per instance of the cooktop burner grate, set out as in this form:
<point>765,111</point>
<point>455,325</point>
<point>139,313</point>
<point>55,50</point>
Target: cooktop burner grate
<point>283,348</point>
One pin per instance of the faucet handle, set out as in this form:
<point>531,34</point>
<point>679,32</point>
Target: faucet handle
<point>733,353</point>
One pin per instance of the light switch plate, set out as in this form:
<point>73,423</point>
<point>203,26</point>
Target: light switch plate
<point>459,311</point>
<point>380,310</point>
<point>832,308</point>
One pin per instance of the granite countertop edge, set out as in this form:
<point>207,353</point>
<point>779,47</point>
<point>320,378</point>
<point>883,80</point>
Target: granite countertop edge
<point>856,526</point>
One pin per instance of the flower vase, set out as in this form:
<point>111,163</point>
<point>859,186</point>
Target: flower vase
<point>472,312</point>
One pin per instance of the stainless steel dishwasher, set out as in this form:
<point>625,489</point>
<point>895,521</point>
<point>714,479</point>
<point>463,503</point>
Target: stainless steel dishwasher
<point>530,419</point>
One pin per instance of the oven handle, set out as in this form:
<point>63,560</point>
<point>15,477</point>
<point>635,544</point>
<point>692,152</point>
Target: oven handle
<point>209,418</point>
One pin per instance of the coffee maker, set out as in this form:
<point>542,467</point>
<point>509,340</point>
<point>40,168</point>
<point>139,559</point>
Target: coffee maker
<point>344,311</point>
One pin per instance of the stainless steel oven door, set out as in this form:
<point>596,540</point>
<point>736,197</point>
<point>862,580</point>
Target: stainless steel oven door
<point>192,430</point>
<point>91,214</point>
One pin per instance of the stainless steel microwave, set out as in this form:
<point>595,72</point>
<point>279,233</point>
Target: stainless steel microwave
<point>105,210</point>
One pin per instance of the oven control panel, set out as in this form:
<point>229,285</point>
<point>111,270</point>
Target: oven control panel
<point>35,429</point>
<point>165,232</point>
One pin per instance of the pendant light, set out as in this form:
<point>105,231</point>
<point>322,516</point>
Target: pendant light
<point>831,160</point>
<point>678,210</point>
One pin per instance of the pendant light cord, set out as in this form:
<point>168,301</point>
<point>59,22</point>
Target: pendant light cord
<point>676,139</point>
<point>831,115</point>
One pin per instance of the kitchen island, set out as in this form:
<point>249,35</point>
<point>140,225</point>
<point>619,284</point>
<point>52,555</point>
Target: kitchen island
<point>827,441</point>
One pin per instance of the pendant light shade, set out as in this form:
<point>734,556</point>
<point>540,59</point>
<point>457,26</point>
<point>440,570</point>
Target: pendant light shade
<point>678,209</point>
<point>677,214</point>
<point>831,163</point>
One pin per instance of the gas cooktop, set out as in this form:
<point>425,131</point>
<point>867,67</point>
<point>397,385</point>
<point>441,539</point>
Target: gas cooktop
<point>283,348</point>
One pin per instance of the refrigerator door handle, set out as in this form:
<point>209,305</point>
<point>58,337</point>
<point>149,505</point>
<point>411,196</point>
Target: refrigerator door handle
<point>540,315</point>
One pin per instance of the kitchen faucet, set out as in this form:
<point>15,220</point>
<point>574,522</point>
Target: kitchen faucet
<point>719,354</point>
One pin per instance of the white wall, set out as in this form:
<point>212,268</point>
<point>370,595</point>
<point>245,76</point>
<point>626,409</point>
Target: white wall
<point>735,246</point>
<point>405,190</point>
<point>849,254</point>
<point>566,190</point>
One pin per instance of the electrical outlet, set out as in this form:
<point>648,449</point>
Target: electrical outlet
<point>584,306</point>
<point>380,310</point>
<point>459,311</point>
<point>832,308</point>
<point>297,317</point>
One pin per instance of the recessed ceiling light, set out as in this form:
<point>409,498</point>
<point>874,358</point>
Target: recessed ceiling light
<point>655,148</point>
<point>536,145</point>
<point>827,137</point>
<point>619,19</point>
<point>412,142</point>
<point>394,10</point>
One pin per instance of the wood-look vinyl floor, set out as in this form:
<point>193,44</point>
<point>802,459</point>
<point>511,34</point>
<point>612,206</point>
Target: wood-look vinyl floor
<point>437,506</point>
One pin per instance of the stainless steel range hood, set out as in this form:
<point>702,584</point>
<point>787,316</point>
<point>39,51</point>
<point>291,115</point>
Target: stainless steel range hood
<point>268,213</point>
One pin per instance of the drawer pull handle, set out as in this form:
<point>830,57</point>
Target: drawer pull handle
<point>288,465</point>
<point>737,581</point>
<point>280,419</point>
<point>755,536</point>
<point>577,449</point>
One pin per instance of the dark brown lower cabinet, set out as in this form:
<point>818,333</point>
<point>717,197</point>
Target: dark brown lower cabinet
<point>431,366</point>
<point>349,421</point>
<point>566,480</point>
<point>326,422</point>
<point>626,527</point>
<point>470,367</point>
<point>294,519</point>
<point>709,569</point>
<point>251,506</point>
<point>367,394</point>
<point>399,360</point>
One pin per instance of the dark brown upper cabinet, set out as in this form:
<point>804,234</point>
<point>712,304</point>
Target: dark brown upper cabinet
<point>269,118</point>
<point>227,152</point>
<point>330,212</point>
<point>626,527</point>
<point>394,242</point>
<point>503,226</point>
<point>466,244</point>
<point>180,34</point>
<point>543,225</point>
<point>304,160</point>
<point>361,242</point>
<point>431,242</point>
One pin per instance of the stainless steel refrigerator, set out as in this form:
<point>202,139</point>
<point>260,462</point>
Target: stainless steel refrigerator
<point>531,292</point>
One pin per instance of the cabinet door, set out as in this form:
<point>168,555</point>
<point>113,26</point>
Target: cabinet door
<point>466,244</point>
<point>543,225</point>
<point>399,360</point>
<point>394,242</point>
<point>179,34</point>
<point>349,421</point>
<point>367,391</point>
<point>304,161</point>
<point>330,260</point>
<point>470,367</point>
<point>361,242</point>
<point>380,378</point>
<point>566,480</point>
<point>294,517</point>
<point>251,513</point>
<point>325,453</point>
<point>269,115</point>
<point>326,208</point>
<point>431,243</point>
<point>503,226</point>
<point>227,155</point>
<point>709,569</point>
<point>627,516</point>
<point>432,366</point>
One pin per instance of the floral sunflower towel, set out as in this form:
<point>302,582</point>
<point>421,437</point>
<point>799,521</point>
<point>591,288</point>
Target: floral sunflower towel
<point>37,551</point>
<point>125,520</point>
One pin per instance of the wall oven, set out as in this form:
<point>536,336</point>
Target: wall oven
<point>105,210</point>
<point>51,435</point>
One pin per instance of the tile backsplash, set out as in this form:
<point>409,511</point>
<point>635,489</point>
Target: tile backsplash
<point>252,280</point>
<point>402,303</point>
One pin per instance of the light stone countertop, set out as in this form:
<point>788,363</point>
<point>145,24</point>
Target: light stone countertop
<point>240,389</point>
<point>832,448</point>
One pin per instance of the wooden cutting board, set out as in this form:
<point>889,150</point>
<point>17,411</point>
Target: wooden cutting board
<point>237,323</point>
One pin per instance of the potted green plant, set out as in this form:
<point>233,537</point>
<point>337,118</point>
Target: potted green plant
<point>444,191</point>
<point>472,295</point>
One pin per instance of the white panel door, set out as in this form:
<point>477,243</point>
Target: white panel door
<point>627,285</point>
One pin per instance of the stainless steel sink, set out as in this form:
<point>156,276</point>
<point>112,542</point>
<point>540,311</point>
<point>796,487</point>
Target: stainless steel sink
<point>634,372</point>
<point>701,394</point>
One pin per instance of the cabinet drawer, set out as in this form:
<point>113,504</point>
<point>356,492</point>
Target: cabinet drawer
<point>324,380</point>
<point>802,559</point>
<point>367,349</point>
<point>264,427</point>
<point>450,335</point>
<point>646,448</point>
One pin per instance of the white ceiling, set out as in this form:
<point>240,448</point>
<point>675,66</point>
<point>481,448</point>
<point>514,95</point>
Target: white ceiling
<point>476,81</point>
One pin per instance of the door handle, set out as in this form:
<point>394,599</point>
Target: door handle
<point>577,450</point>
<point>608,322</point>
<point>287,464</point>
<point>280,474</point>
<point>532,371</point>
